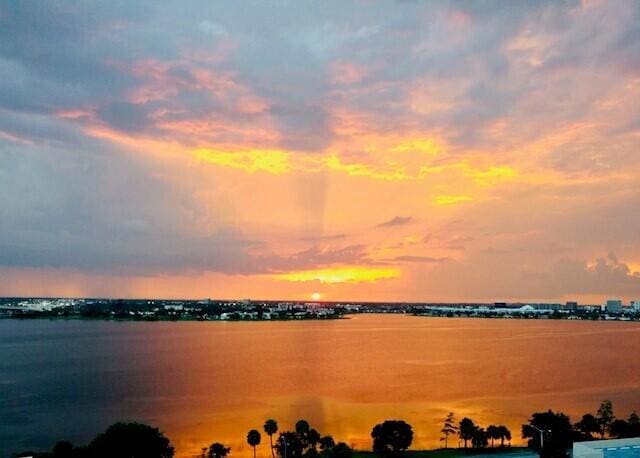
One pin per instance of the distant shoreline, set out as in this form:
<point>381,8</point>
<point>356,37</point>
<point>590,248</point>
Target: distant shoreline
<point>248,310</point>
<point>43,317</point>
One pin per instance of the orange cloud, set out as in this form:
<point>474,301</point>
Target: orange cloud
<point>346,73</point>
<point>481,176</point>
<point>448,200</point>
<point>75,114</point>
<point>384,172</point>
<point>345,274</point>
<point>271,161</point>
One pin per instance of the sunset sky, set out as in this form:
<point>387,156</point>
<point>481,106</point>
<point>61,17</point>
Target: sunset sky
<point>410,151</point>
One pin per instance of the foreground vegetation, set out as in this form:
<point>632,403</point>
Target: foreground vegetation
<point>550,433</point>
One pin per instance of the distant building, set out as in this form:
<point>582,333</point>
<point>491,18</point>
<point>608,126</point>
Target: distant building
<point>635,305</point>
<point>614,448</point>
<point>175,307</point>
<point>570,305</point>
<point>613,306</point>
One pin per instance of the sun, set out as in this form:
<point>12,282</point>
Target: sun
<point>315,296</point>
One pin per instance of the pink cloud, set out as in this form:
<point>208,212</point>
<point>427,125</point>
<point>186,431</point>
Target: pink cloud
<point>346,73</point>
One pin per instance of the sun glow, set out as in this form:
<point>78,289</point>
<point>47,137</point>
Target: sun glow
<point>272,161</point>
<point>347,274</point>
<point>449,200</point>
<point>315,296</point>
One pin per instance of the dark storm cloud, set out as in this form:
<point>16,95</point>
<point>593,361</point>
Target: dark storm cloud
<point>106,213</point>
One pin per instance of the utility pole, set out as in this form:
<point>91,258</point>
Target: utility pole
<point>541,431</point>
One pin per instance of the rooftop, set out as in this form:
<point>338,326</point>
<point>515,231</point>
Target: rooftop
<point>614,448</point>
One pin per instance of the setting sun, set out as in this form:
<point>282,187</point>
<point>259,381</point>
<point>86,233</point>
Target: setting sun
<point>315,296</point>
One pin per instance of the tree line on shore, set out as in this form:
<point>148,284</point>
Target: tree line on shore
<point>550,433</point>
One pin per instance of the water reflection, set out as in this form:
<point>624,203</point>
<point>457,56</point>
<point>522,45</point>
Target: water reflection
<point>205,382</point>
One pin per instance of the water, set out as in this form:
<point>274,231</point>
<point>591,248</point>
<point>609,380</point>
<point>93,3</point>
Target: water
<point>202,382</point>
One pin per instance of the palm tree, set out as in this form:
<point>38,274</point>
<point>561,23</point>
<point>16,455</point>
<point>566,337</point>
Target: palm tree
<point>493,432</point>
<point>466,430</point>
<point>271,427</point>
<point>253,439</point>
<point>302,430</point>
<point>504,433</point>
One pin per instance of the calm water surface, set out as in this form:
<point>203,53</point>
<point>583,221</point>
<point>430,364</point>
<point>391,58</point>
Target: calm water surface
<point>208,381</point>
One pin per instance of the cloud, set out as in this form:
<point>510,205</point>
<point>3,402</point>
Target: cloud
<point>276,162</point>
<point>605,276</point>
<point>397,221</point>
<point>341,274</point>
<point>510,280</point>
<point>420,259</point>
<point>322,238</point>
<point>449,200</point>
<point>130,146</point>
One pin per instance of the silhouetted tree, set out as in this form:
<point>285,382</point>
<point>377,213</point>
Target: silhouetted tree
<point>391,437</point>
<point>493,432</point>
<point>327,443</point>
<point>302,427</point>
<point>253,439</point>
<point>130,440</point>
<point>448,427</point>
<point>504,434</point>
<point>289,445</point>
<point>466,429</point>
<point>341,450</point>
<point>634,425</point>
<point>558,433</point>
<point>619,429</point>
<point>622,429</point>
<point>271,427</point>
<point>479,439</point>
<point>302,430</point>
<point>218,450</point>
<point>62,449</point>
<point>588,426</point>
<point>605,416</point>
<point>313,438</point>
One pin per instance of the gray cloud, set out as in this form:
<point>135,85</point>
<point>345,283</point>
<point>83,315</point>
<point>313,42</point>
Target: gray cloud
<point>110,213</point>
<point>508,278</point>
<point>396,221</point>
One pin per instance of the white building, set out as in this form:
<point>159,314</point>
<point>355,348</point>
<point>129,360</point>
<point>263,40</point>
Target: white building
<point>635,305</point>
<point>614,448</point>
<point>613,306</point>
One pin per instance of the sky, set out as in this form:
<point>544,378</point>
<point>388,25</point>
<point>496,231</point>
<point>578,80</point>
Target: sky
<point>361,150</point>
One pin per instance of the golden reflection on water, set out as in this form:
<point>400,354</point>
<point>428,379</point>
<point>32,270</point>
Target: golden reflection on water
<point>207,382</point>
